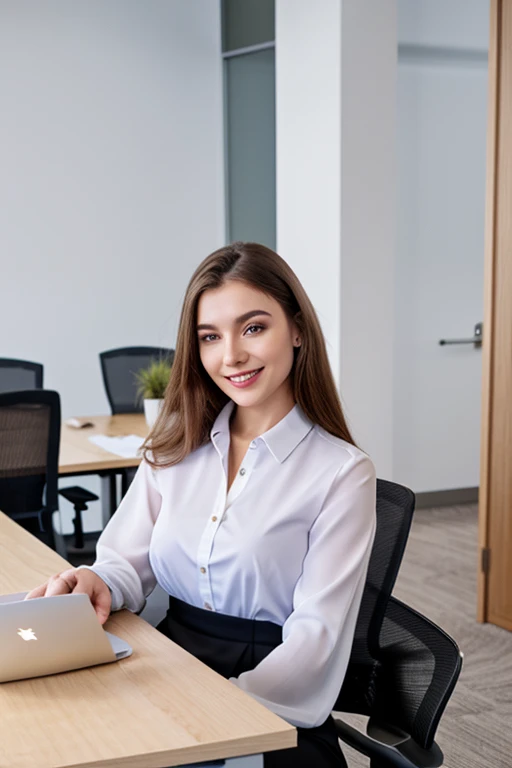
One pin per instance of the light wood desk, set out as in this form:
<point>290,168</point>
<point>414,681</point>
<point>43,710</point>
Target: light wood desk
<point>78,456</point>
<point>77,453</point>
<point>160,707</point>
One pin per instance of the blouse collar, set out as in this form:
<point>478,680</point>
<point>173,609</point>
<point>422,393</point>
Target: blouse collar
<point>281,440</point>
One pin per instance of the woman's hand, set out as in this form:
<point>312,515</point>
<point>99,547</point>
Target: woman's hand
<point>79,581</point>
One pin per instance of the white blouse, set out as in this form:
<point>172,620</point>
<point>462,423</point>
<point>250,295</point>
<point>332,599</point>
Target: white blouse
<point>289,543</point>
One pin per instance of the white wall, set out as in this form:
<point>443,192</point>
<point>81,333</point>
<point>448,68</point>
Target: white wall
<point>308,154</point>
<point>455,24</point>
<point>111,183</point>
<point>335,146</point>
<point>368,223</point>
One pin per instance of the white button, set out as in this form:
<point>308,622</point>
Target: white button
<point>208,606</point>
<point>242,471</point>
<point>252,445</point>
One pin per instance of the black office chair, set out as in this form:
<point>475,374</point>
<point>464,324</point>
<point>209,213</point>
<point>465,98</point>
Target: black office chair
<point>402,668</point>
<point>29,464</point>
<point>20,374</point>
<point>16,375</point>
<point>29,459</point>
<point>119,368</point>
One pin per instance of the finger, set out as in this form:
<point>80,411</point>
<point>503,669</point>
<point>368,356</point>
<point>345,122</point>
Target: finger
<point>102,603</point>
<point>58,585</point>
<point>39,591</point>
<point>100,597</point>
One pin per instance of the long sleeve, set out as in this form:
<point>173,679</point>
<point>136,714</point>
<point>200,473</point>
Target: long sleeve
<point>300,679</point>
<point>122,552</point>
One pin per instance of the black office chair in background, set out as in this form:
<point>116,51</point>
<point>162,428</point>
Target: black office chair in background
<point>402,668</point>
<point>20,374</point>
<point>29,459</point>
<point>16,375</point>
<point>29,466</point>
<point>119,368</point>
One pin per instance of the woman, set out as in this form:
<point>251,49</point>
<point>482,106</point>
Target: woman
<point>252,507</point>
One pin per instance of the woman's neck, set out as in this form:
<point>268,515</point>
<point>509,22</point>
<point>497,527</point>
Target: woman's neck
<point>251,422</point>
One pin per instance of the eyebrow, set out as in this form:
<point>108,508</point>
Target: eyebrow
<point>238,321</point>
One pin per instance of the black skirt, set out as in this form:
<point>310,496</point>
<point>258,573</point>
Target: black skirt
<point>231,646</point>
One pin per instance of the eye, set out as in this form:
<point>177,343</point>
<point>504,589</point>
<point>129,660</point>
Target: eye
<point>208,337</point>
<point>252,329</point>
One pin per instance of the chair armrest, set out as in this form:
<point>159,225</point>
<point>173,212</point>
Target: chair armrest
<point>386,746</point>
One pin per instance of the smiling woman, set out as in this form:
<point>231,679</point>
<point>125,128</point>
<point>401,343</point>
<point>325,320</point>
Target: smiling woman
<point>245,314</point>
<point>253,509</point>
<point>250,361</point>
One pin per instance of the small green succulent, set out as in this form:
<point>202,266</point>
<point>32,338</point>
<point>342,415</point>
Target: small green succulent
<point>152,381</point>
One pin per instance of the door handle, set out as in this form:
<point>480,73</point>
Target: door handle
<point>476,340</point>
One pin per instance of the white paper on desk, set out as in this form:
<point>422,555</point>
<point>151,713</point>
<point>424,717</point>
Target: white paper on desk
<point>127,446</point>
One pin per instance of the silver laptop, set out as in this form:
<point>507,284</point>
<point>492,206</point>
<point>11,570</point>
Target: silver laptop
<point>47,635</point>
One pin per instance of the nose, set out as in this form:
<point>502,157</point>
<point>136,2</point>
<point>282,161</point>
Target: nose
<point>234,352</point>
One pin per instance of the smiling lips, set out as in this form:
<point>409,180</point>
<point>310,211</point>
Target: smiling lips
<point>244,379</point>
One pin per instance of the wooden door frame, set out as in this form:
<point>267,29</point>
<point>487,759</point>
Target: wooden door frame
<point>488,347</point>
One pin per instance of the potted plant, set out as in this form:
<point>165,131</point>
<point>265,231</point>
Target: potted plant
<point>152,382</point>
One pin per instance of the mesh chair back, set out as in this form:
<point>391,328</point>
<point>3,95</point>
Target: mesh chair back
<point>29,454</point>
<point>395,506</point>
<point>20,374</point>
<point>119,368</point>
<point>420,667</point>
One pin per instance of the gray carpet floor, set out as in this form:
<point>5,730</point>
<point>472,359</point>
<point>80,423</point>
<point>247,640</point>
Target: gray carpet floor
<point>438,578</point>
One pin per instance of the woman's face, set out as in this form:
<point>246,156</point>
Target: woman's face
<point>246,343</point>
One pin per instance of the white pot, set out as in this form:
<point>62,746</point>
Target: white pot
<point>151,410</point>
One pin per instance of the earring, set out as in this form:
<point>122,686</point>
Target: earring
<point>298,342</point>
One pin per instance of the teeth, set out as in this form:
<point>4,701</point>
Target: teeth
<point>239,379</point>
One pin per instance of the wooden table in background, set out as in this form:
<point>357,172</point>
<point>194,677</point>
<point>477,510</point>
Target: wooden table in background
<point>160,707</point>
<point>78,456</point>
<point>77,453</point>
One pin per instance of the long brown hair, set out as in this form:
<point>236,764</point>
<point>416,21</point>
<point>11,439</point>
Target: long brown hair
<point>192,400</point>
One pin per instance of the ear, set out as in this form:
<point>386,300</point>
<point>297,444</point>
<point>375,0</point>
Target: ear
<point>296,330</point>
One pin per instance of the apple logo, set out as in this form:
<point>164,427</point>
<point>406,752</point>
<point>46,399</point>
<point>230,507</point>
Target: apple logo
<point>27,634</point>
